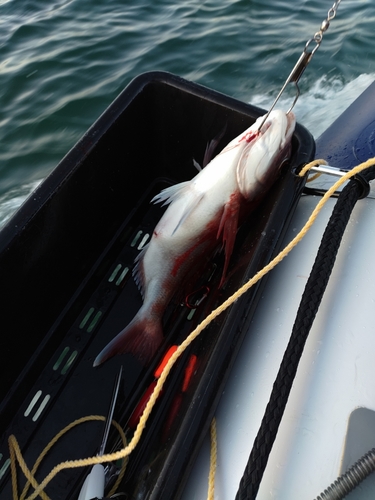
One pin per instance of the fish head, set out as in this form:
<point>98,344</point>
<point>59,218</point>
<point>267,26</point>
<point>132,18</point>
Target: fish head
<point>264,152</point>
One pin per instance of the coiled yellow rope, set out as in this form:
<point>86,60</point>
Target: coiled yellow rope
<point>15,453</point>
<point>160,383</point>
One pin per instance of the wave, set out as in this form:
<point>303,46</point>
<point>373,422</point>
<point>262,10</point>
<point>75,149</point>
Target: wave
<point>13,199</point>
<point>316,109</point>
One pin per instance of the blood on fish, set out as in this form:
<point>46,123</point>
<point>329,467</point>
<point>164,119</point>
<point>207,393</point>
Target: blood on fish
<point>251,136</point>
<point>180,260</point>
<point>209,208</point>
<point>206,237</point>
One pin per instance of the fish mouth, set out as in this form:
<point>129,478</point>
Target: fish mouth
<point>289,128</point>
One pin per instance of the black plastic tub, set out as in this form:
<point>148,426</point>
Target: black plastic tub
<point>65,269</point>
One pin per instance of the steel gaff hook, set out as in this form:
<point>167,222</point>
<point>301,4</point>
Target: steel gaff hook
<point>303,61</point>
<point>294,77</point>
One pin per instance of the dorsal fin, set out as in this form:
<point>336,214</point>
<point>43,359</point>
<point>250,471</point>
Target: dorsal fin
<point>212,145</point>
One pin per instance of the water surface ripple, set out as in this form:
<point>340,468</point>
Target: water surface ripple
<point>62,62</point>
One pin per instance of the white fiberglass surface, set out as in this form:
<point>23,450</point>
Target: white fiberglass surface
<point>336,373</point>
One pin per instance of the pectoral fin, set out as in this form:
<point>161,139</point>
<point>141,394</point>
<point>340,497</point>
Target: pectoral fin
<point>171,193</point>
<point>228,229</point>
<point>185,199</point>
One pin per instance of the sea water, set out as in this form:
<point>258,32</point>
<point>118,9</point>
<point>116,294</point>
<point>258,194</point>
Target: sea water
<point>62,62</point>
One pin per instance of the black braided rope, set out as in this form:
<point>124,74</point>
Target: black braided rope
<point>307,310</point>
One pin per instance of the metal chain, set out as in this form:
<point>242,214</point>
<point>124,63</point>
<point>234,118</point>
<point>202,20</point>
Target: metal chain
<point>304,59</point>
<point>318,37</point>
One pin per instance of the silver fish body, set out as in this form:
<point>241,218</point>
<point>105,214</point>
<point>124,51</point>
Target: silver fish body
<point>201,212</point>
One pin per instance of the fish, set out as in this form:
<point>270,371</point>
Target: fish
<point>202,213</point>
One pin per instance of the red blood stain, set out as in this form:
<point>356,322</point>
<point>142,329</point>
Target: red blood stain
<point>250,136</point>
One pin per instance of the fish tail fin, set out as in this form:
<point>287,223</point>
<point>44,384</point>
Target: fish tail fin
<point>141,338</point>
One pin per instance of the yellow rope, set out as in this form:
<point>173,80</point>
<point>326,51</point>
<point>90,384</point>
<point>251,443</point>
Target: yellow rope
<point>15,452</point>
<point>160,383</point>
<point>213,461</point>
<point>308,166</point>
<point>313,177</point>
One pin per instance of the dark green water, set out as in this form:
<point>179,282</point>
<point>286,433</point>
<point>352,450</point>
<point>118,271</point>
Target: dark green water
<point>63,62</point>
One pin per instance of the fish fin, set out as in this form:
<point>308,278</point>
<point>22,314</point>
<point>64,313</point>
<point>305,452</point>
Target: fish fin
<point>138,272</point>
<point>141,338</point>
<point>228,230</point>
<point>196,165</point>
<point>170,193</point>
<point>212,145</point>
<point>191,204</point>
<point>186,194</point>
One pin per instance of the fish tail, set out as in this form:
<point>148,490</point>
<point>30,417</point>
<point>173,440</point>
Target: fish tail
<point>141,338</point>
